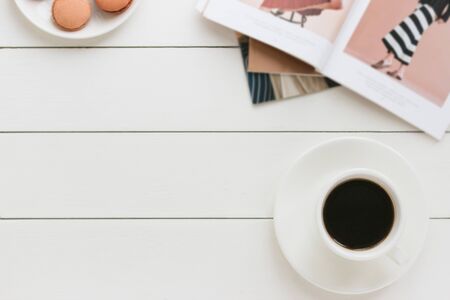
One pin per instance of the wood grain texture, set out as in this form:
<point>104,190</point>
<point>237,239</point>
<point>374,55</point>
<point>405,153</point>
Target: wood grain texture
<point>176,174</point>
<point>155,23</point>
<point>193,146</point>
<point>206,259</point>
<point>162,90</point>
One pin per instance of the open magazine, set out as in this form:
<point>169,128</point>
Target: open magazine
<point>394,53</point>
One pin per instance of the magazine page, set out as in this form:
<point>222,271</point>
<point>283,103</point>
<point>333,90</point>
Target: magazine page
<point>395,53</point>
<point>305,29</point>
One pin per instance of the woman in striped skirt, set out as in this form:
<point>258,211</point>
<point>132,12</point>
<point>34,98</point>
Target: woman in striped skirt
<point>401,43</point>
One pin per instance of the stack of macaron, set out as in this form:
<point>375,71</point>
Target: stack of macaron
<point>73,15</point>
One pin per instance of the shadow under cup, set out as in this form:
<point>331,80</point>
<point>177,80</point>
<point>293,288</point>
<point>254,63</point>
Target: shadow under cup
<point>359,215</point>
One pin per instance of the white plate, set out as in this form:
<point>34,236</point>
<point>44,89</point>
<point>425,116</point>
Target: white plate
<point>296,226</point>
<point>39,12</point>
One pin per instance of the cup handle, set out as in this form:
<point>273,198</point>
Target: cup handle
<point>398,256</point>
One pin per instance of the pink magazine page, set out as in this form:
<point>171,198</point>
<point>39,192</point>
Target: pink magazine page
<point>395,53</point>
<point>305,29</point>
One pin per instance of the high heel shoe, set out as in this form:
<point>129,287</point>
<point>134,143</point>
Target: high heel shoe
<point>382,64</point>
<point>277,12</point>
<point>396,75</point>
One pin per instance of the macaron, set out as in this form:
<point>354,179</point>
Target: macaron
<point>113,6</point>
<point>71,15</point>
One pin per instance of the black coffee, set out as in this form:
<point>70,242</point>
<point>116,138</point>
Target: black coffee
<point>358,214</point>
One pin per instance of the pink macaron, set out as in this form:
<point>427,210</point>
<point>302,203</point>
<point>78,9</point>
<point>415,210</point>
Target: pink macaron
<point>113,6</point>
<point>71,15</point>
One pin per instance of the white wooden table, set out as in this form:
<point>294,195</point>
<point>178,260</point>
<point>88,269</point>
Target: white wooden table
<point>135,167</point>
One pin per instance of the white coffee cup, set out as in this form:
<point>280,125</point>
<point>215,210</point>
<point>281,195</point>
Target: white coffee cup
<point>388,247</point>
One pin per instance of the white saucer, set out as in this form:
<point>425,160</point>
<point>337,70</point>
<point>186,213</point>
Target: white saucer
<point>39,12</point>
<point>296,225</point>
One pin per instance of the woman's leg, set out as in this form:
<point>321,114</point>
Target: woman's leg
<point>386,62</point>
<point>404,39</point>
<point>389,58</point>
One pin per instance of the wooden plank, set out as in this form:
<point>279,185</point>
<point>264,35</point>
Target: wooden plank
<point>164,23</point>
<point>192,259</point>
<point>160,90</point>
<point>176,174</point>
